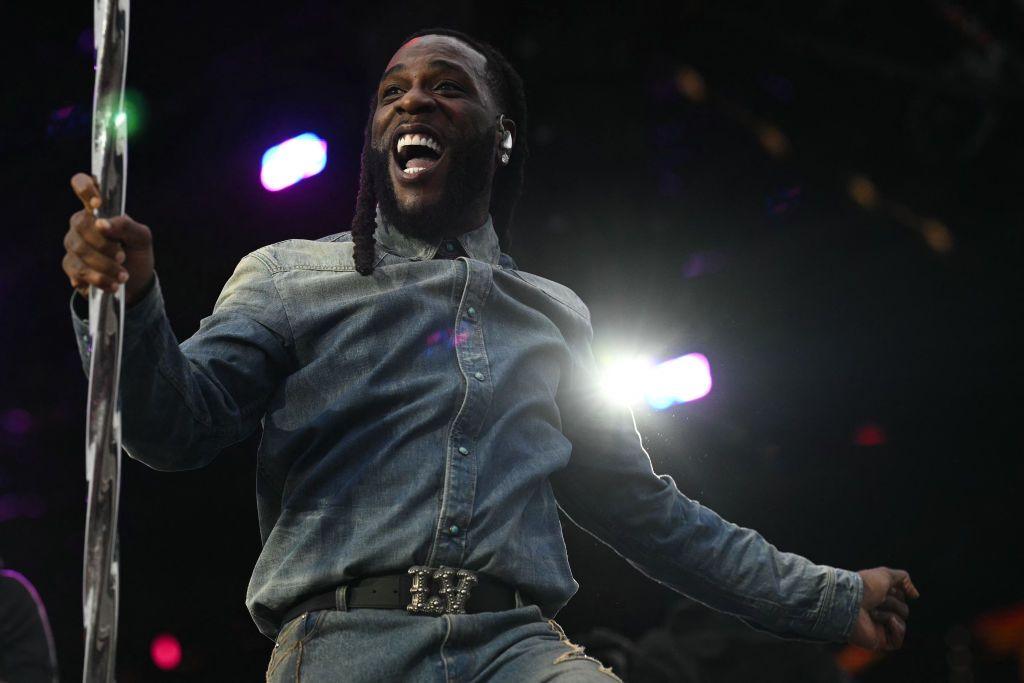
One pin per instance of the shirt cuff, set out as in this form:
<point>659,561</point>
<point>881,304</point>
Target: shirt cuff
<point>840,608</point>
<point>137,317</point>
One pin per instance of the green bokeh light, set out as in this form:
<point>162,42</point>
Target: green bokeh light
<point>133,114</point>
<point>136,112</point>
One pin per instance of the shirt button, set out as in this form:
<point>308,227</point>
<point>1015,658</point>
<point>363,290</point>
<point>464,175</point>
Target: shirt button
<point>453,529</point>
<point>479,376</point>
<point>471,312</point>
<point>463,450</point>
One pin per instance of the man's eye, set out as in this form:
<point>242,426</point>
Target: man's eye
<point>449,85</point>
<point>391,90</point>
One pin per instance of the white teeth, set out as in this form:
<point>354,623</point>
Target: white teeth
<point>418,139</point>
<point>412,171</point>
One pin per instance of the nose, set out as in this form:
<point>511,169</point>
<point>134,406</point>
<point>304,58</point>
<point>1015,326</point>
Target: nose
<point>414,101</point>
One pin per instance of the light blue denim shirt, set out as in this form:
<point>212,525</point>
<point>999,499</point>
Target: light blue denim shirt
<point>437,412</point>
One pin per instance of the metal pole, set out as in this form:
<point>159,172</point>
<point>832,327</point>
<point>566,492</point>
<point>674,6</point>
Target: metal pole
<point>106,325</point>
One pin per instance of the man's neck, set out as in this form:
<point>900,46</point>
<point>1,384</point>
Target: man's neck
<point>451,230</point>
<point>467,225</point>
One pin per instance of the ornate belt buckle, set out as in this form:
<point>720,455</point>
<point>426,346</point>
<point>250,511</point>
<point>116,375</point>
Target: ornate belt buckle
<point>453,587</point>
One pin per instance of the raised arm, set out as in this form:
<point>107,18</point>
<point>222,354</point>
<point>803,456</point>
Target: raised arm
<point>181,405</point>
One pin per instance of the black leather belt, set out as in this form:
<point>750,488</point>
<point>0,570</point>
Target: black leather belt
<point>398,591</point>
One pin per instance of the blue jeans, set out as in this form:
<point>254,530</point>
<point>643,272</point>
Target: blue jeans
<point>378,645</point>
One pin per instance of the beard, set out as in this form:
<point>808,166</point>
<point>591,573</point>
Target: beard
<point>467,179</point>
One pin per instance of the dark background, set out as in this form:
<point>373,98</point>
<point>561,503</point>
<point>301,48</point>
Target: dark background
<point>724,226</point>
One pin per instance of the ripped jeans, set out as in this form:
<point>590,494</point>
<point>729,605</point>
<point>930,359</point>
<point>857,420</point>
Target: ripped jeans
<point>514,646</point>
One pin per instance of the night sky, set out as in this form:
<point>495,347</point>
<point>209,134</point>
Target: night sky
<point>824,200</point>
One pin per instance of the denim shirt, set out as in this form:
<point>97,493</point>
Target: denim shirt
<point>436,412</point>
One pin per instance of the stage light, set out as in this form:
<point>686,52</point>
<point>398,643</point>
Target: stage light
<point>937,236</point>
<point>869,435</point>
<point>863,192</point>
<point>691,84</point>
<point>679,380</point>
<point>62,113</point>
<point>855,660</point>
<point>293,160</point>
<point>165,652</point>
<point>661,385</point>
<point>18,506</point>
<point>626,379</point>
<point>773,141</point>
<point>16,421</point>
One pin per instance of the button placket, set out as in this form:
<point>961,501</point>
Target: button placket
<point>457,502</point>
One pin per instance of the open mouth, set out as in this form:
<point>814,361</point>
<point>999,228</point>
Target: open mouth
<point>417,153</point>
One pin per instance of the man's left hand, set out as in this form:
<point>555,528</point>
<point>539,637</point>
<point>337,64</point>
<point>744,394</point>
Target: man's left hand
<point>882,621</point>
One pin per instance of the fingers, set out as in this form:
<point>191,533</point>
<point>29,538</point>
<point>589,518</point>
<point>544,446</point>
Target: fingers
<point>894,605</point>
<point>100,251</point>
<point>895,632</point>
<point>85,228</point>
<point>901,582</point>
<point>85,265</point>
<point>132,234</point>
<point>87,243</point>
<point>87,190</point>
<point>82,274</point>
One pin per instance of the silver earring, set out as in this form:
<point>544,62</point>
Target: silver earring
<point>504,159</point>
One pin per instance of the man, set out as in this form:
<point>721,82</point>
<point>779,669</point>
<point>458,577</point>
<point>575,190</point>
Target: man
<point>426,409</point>
<point>27,654</point>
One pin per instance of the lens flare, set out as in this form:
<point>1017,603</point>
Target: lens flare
<point>293,160</point>
<point>626,380</point>
<point>679,380</point>
<point>661,385</point>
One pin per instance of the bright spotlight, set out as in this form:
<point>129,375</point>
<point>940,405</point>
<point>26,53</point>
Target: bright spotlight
<point>625,380</point>
<point>293,160</point>
<point>678,380</point>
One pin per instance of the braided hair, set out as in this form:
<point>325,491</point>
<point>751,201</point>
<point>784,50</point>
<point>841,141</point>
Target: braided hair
<point>507,88</point>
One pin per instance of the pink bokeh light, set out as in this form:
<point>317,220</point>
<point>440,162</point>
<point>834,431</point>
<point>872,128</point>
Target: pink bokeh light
<point>165,652</point>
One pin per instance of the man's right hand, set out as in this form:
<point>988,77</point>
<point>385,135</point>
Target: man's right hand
<point>106,252</point>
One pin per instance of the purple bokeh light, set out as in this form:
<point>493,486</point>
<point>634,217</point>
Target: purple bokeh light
<point>293,160</point>
<point>16,421</point>
<point>679,380</point>
<point>85,42</point>
<point>17,506</point>
<point>62,113</point>
<point>702,263</point>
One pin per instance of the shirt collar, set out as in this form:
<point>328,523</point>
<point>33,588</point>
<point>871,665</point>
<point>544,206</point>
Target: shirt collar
<point>480,243</point>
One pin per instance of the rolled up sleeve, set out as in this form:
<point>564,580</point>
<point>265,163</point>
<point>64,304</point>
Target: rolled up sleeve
<point>182,404</point>
<point>610,489</point>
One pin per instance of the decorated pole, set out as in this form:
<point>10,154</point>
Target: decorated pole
<point>106,325</point>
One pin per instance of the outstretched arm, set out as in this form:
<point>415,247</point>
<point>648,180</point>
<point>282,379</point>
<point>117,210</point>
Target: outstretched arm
<point>610,489</point>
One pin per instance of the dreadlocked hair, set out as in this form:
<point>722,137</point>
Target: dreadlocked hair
<point>507,88</point>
